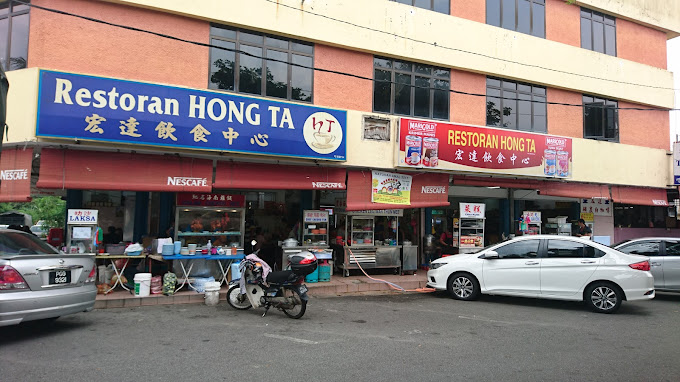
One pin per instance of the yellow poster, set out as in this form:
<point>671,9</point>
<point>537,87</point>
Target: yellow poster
<point>391,188</point>
<point>588,216</point>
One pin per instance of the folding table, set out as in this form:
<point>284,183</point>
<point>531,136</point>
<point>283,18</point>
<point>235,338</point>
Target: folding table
<point>113,259</point>
<point>230,259</point>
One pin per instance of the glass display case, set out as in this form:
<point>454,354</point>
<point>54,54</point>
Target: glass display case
<point>81,231</point>
<point>223,226</point>
<point>362,230</point>
<point>315,227</point>
<point>470,234</point>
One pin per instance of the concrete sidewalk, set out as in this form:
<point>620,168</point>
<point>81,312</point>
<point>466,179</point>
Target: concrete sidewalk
<point>338,286</point>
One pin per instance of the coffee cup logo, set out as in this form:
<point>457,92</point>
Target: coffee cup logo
<point>322,133</point>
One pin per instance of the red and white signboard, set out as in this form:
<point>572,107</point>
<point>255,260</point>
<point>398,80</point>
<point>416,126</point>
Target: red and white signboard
<point>450,146</point>
<point>472,210</point>
<point>212,200</point>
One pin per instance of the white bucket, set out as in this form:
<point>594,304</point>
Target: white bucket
<point>142,284</point>
<point>108,274</point>
<point>212,293</point>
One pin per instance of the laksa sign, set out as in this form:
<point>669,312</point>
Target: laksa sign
<point>104,109</point>
<point>449,146</point>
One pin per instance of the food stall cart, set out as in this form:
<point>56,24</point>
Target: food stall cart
<point>81,231</point>
<point>215,218</point>
<point>315,229</point>
<point>371,239</point>
<point>471,227</point>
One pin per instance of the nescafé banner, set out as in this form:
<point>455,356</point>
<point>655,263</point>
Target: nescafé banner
<point>391,188</point>
<point>111,110</point>
<point>450,146</point>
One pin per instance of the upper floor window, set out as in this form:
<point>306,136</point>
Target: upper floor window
<point>524,16</point>
<point>266,66</point>
<point>515,105</point>
<point>406,88</point>
<point>598,32</point>
<point>13,34</point>
<point>441,6</point>
<point>600,119</point>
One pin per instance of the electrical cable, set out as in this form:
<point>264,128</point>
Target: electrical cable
<point>390,284</point>
<point>329,70</point>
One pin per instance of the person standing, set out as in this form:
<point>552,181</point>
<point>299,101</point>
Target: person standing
<point>446,242</point>
<point>583,229</point>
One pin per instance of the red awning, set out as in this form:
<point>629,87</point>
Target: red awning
<point>641,196</point>
<point>427,190</point>
<point>257,176</point>
<point>527,184</point>
<point>90,170</point>
<point>575,190</point>
<point>15,175</point>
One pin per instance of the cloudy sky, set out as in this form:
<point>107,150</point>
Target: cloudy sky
<point>674,66</point>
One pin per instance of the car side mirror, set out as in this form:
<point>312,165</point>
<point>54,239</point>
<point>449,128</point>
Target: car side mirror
<point>491,255</point>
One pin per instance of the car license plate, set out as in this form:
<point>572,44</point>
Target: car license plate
<point>60,277</point>
<point>303,289</point>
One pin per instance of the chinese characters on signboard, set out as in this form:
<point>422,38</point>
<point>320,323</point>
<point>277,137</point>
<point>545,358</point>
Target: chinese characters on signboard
<point>315,217</point>
<point>104,109</point>
<point>472,210</point>
<point>82,216</point>
<point>449,146</point>
<point>210,200</point>
<point>597,207</point>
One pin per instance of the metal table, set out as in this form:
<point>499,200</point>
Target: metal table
<point>229,258</point>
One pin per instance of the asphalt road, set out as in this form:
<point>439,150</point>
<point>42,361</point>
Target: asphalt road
<point>423,337</point>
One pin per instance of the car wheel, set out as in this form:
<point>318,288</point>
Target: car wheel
<point>603,297</point>
<point>463,286</point>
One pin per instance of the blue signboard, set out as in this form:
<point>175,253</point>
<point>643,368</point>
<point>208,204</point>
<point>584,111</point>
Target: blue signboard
<point>128,112</point>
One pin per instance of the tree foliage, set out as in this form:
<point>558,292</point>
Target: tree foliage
<point>51,209</point>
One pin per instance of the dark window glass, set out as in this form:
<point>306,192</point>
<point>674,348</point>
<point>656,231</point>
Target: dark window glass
<point>14,19</point>
<point>600,119</point>
<point>524,16</point>
<point>250,70</point>
<point>672,248</point>
<point>410,89</point>
<point>301,78</point>
<point>402,94</point>
<point>525,249</point>
<point>16,243</point>
<point>516,106</point>
<point>565,249</point>
<point>284,72</point>
<point>598,32</point>
<point>382,92</point>
<point>441,6</point>
<point>645,248</point>
<point>422,97</point>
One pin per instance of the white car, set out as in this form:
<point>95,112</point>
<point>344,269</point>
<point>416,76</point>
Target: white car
<point>547,266</point>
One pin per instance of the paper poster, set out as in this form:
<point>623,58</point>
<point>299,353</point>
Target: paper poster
<point>391,188</point>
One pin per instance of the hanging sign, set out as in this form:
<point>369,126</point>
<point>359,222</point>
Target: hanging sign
<point>597,207</point>
<point>472,210</point>
<point>210,200</point>
<point>102,109</point>
<point>315,217</point>
<point>391,188</point>
<point>676,163</point>
<point>82,216</point>
<point>450,146</point>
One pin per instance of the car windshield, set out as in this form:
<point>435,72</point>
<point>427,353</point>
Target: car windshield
<point>19,243</point>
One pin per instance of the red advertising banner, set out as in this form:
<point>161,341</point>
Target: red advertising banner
<point>211,200</point>
<point>450,146</point>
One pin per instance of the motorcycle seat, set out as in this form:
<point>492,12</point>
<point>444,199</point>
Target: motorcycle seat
<point>281,277</point>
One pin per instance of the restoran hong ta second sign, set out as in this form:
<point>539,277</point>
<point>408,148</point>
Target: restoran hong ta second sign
<point>105,109</point>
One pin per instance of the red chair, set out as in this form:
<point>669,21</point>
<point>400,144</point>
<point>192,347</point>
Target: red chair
<point>55,237</point>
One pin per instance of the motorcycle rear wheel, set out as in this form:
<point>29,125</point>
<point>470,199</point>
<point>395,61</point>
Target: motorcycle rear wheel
<point>236,299</point>
<point>299,309</point>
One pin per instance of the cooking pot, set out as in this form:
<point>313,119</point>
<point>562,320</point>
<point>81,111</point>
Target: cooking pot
<point>290,242</point>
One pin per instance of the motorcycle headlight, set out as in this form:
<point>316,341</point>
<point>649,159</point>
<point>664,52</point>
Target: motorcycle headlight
<point>436,265</point>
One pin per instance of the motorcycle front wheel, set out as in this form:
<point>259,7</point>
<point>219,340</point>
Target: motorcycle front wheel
<point>300,307</point>
<point>236,299</point>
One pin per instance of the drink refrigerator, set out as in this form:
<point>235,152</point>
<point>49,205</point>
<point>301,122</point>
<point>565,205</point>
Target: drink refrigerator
<point>81,231</point>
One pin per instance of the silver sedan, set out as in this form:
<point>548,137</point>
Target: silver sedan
<point>39,282</point>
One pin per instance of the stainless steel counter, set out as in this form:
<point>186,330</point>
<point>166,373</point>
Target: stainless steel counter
<point>369,257</point>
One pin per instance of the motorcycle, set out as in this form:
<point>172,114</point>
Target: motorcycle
<point>283,290</point>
